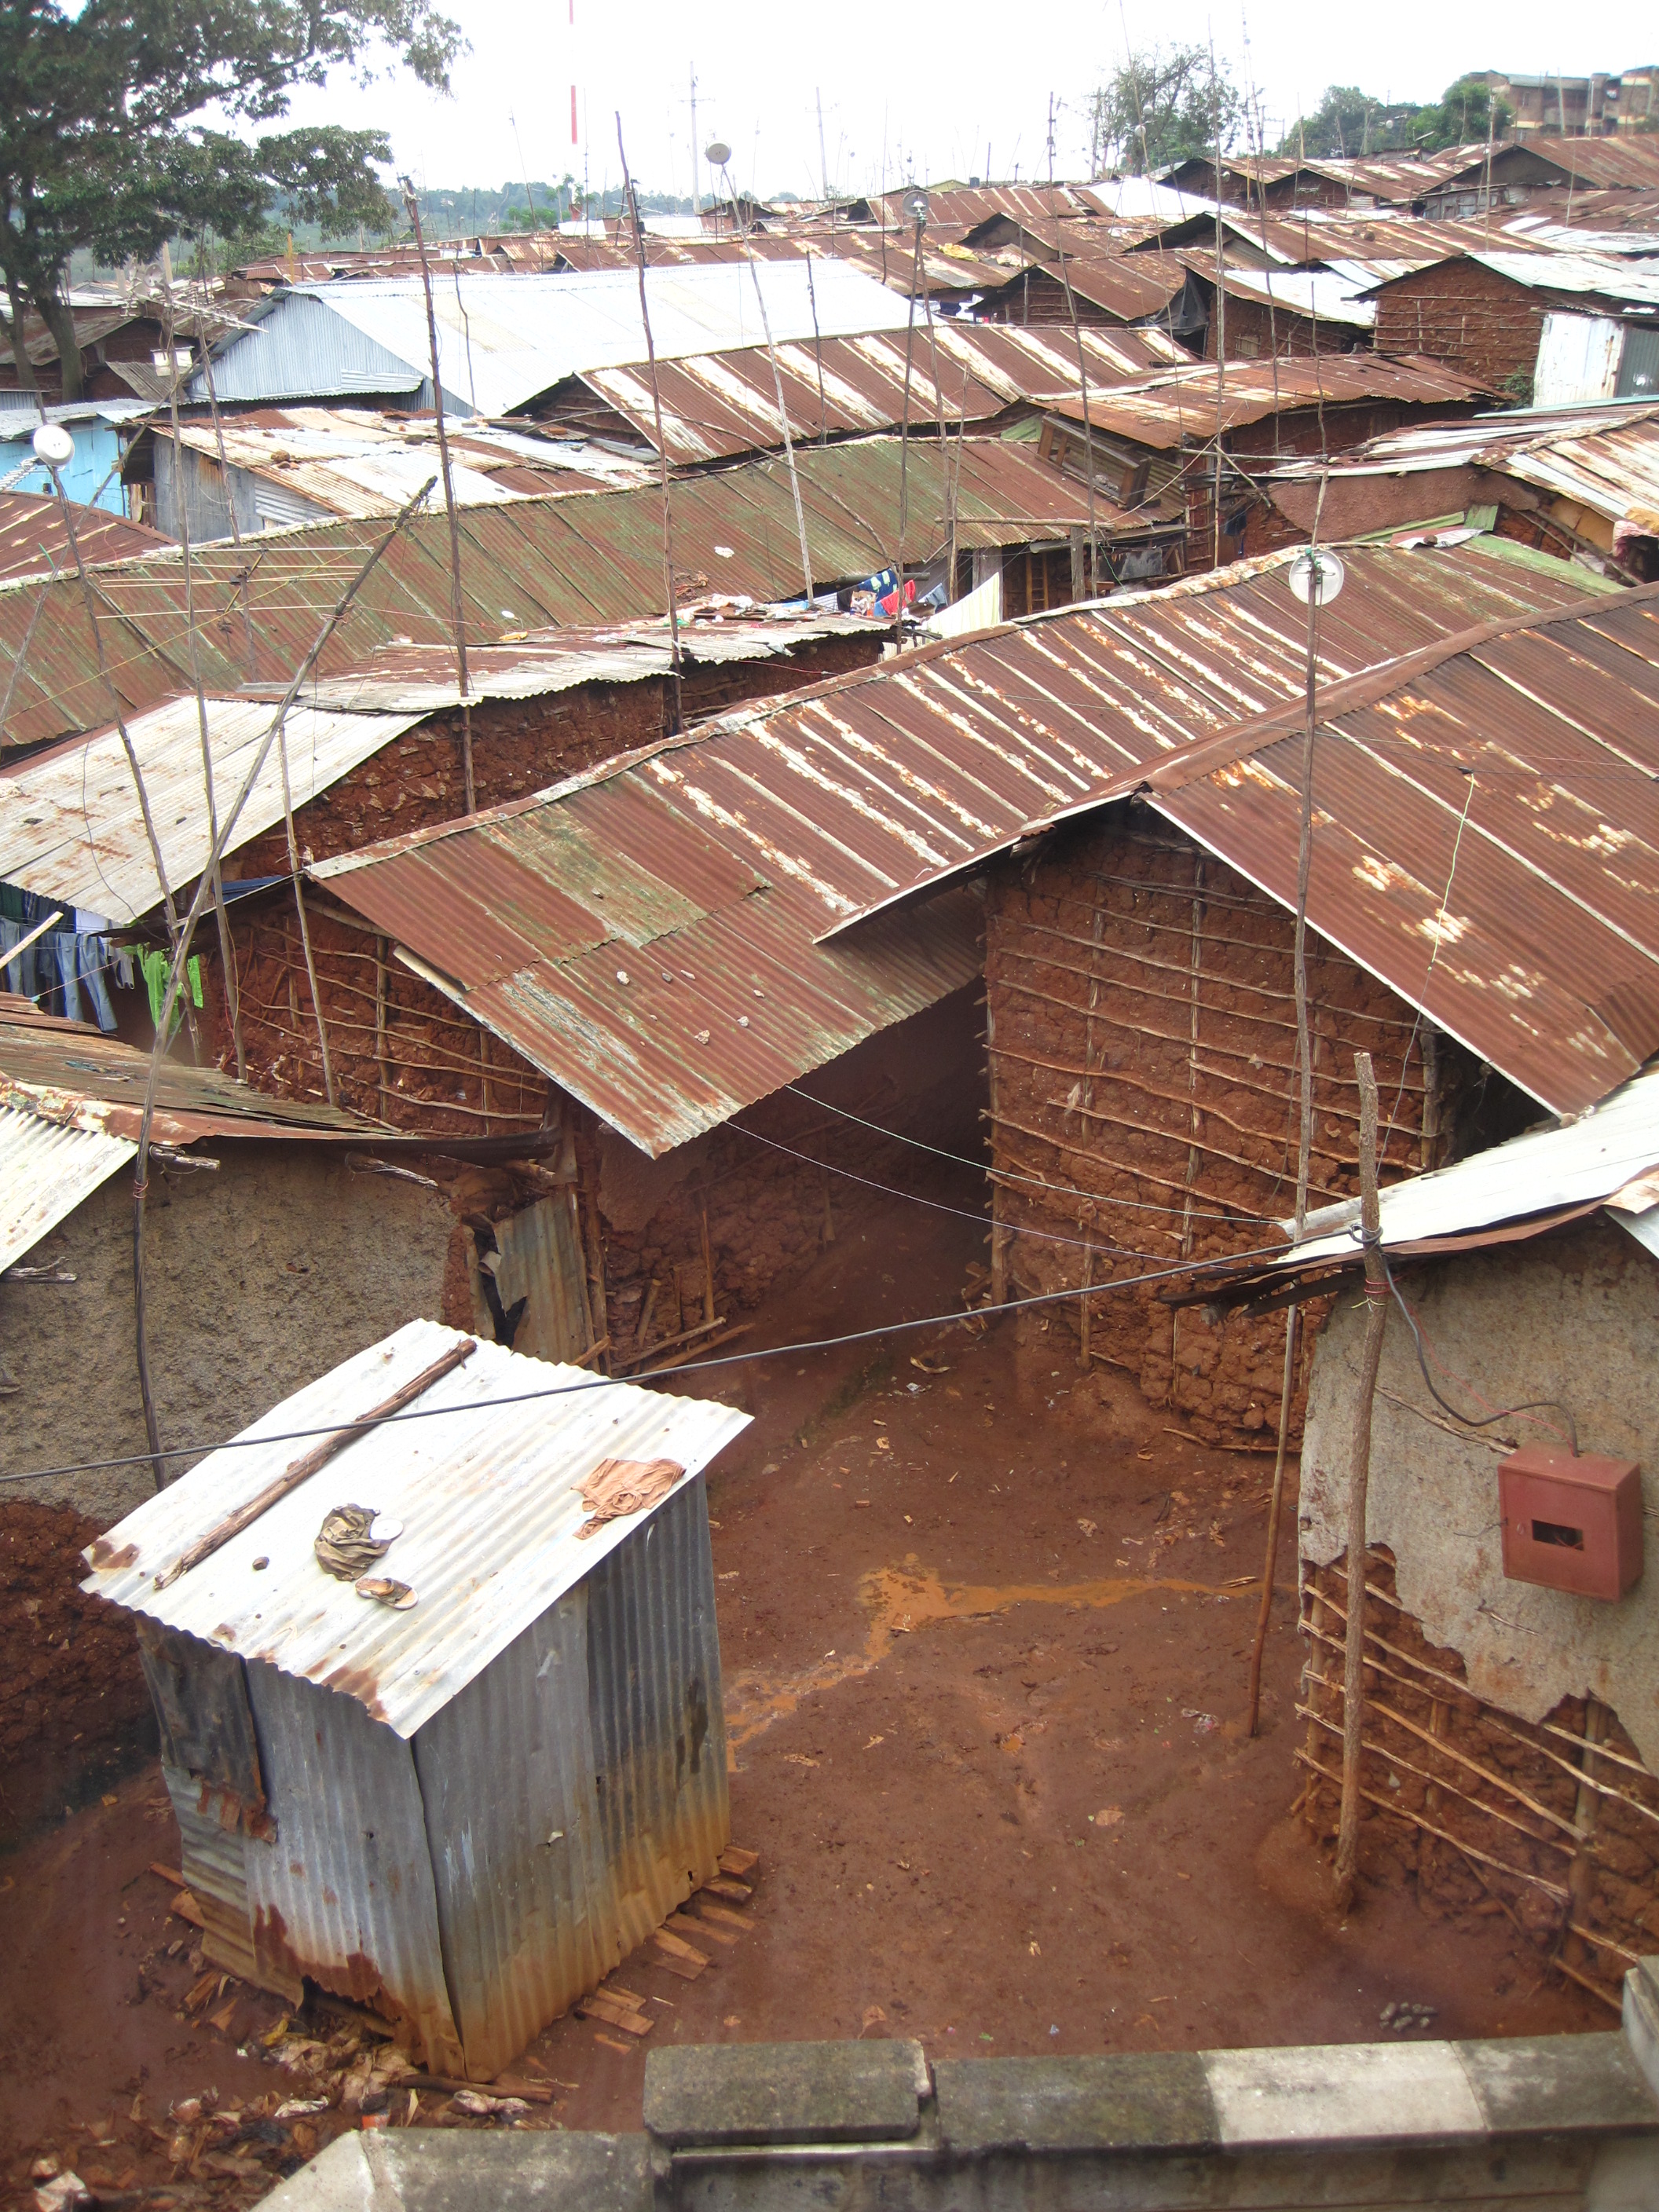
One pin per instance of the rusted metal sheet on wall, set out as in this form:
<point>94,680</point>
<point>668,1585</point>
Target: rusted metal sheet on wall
<point>526,1904</point>
<point>200,1697</point>
<point>345,1895</point>
<point>539,1258</point>
<point>653,1666</point>
<point>212,1857</point>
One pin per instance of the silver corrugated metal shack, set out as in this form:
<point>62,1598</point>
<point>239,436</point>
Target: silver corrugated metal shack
<point>462,1811</point>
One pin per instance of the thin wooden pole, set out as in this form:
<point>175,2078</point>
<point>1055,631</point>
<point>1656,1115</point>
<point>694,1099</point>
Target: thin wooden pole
<point>1360,1468</point>
<point>632,198</point>
<point>1304,1136</point>
<point>456,610</point>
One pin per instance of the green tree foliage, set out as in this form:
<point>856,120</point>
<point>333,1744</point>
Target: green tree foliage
<point>113,137</point>
<point>1161,105</point>
<point>1349,122</point>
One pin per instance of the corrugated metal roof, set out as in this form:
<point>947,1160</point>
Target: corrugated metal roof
<point>1583,1162</point>
<point>596,559</point>
<point>70,1073</point>
<point>421,679</point>
<point>489,1495</point>
<point>1636,289</point>
<point>70,823</point>
<point>33,535</point>
<point>45,1170</point>
<point>709,872</point>
<point>504,339</point>
<point>1621,161</point>
<point>1323,295</point>
<point>1604,454</point>
<point>356,461</point>
<point>1181,405</point>
<point>719,404</point>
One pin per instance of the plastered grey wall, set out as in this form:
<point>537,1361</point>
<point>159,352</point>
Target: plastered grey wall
<point>1574,1315</point>
<point>259,1276</point>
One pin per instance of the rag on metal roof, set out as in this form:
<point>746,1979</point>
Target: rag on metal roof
<point>667,937</point>
<point>719,404</point>
<point>502,339</point>
<point>70,827</point>
<point>1324,296</point>
<point>489,1493</point>
<point>597,559</point>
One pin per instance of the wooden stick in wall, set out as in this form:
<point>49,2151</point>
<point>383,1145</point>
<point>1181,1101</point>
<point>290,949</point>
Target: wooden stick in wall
<point>1359,1465</point>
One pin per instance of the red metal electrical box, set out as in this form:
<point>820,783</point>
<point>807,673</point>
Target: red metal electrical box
<point>1571,1523</point>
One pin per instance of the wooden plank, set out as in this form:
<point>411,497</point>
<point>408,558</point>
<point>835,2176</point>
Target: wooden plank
<point>614,2013</point>
<point>735,1893</point>
<point>682,1925</point>
<point>735,1860</point>
<point>680,1949</point>
<point>720,1915</point>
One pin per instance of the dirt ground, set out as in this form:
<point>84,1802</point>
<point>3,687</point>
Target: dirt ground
<point>985,1624</point>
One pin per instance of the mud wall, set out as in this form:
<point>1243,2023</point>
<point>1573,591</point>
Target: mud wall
<point>1142,1037</point>
<point>1474,1809</point>
<point>521,745</point>
<point>769,1213</point>
<point>1573,1315</point>
<point>1472,317</point>
<point>260,1277</point>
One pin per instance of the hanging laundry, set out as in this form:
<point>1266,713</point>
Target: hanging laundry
<point>157,967</point>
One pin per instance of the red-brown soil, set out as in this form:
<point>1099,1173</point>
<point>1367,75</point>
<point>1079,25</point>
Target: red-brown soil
<point>985,1629</point>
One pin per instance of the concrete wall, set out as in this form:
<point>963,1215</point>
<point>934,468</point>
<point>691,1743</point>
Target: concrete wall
<point>1574,1315</point>
<point>259,1278</point>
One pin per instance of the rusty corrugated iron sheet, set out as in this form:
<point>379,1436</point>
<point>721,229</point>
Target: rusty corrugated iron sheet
<point>46,1169</point>
<point>715,406</point>
<point>69,1074</point>
<point>1603,455</point>
<point>700,979</point>
<point>525,1772</point>
<point>1544,958</point>
<point>1180,406</point>
<point>488,1494</point>
<point>32,538</point>
<point>535,562</point>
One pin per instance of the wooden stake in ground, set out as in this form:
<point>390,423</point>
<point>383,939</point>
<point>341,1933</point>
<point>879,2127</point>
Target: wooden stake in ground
<point>1359,1468</point>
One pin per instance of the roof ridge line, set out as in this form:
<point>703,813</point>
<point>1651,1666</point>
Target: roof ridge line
<point>1368,686</point>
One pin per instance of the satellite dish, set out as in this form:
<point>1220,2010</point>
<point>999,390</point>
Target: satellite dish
<point>54,445</point>
<point>718,152</point>
<point>1317,575</point>
<point>915,205</point>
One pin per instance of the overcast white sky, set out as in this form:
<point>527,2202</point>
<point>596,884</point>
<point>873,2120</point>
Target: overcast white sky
<point>933,85</point>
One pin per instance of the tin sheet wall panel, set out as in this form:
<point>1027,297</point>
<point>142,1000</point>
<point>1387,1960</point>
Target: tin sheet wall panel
<point>526,1904</point>
<point>658,1717</point>
<point>212,1857</point>
<point>46,1171</point>
<point>345,1896</point>
<point>539,1259</point>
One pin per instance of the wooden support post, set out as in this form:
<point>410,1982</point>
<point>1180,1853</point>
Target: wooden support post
<point>1083,1307</point>
<point>1079,570</point>
<point>380,1019</point>
<point>1571,1950</point>
<point>1359,1467</point>
<point>708,1266</point>
<point>597,1292</point>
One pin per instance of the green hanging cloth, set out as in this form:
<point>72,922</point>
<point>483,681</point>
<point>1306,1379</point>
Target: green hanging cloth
<point>157,967</point>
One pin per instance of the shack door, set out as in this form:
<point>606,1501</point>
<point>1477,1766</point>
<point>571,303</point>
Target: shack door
<point>537,1260</point>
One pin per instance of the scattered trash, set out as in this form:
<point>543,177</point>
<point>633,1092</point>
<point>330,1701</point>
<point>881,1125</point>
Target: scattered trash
<point>1203,1723</point>
<point>617,1487</point>
<point>1089,1528</point>
<point>1108,1817</point>
<point>385,1591</point>
<point>62,2193</point>
<point>346,1545</point>
<point>1403,2016</point>
<point>300,2108</point>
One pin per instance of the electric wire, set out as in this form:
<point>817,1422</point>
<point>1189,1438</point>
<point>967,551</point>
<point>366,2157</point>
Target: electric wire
<point>1158,1274</point>
<point>1003,1174</point>
<point>1472,1420</point>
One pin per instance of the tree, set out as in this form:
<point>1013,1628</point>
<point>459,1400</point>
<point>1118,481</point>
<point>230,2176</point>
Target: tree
<point>1347,122</point>
<point>1163,105</point>
<point>105,143</point>
<point>1460,117</point>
